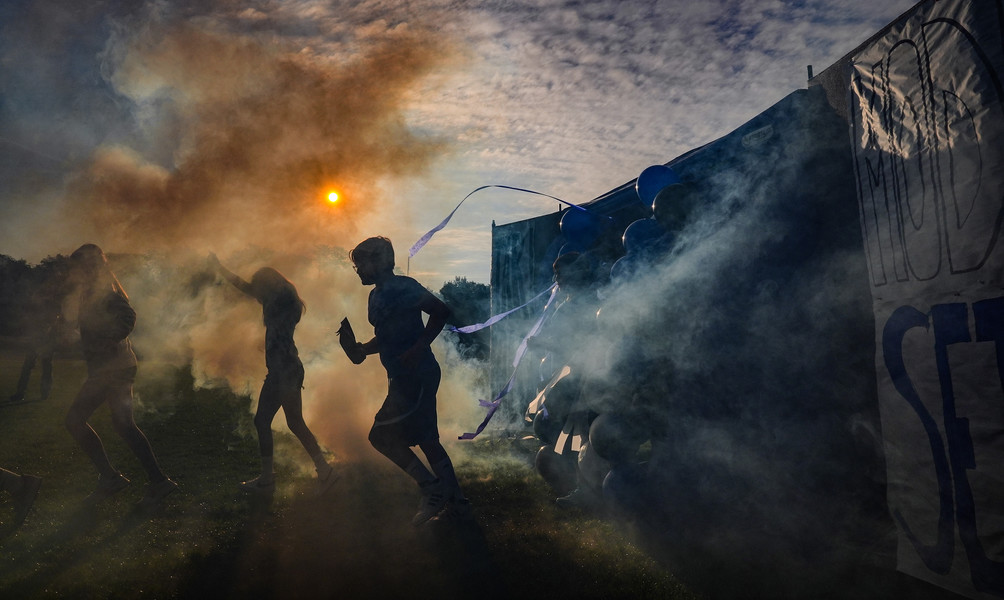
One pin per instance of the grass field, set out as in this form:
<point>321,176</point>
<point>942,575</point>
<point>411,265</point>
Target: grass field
<point>211,541</point>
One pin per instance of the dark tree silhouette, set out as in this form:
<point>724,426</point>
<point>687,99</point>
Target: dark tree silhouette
<point>471,303</point>
<point>14,279</point>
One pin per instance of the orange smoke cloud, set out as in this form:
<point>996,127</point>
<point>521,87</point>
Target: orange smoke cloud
<point>257,136</point>
<point>256,133</point>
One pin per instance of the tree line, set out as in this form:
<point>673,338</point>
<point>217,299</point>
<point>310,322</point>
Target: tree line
<point>23,286</point>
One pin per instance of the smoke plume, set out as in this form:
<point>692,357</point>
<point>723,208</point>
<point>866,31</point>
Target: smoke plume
<point>244,139</point>
<point>230,141</point>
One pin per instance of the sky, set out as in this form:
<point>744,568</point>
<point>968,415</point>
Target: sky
<point>184,127</point>
<point>221,125</point>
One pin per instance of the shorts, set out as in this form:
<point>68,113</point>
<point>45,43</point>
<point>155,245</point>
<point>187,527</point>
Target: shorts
<point>282,384</point>
<point>111,377</point>
<point>110,385</point>
<point>408,414</point>
<point>286,376</point>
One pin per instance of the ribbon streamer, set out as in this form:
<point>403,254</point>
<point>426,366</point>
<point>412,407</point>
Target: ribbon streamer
<point>538,403</point>
<point>497,318</point>
<point>576,429</point>
<point>521,350</point>
<point>493,406</point>
<point>428,236</point>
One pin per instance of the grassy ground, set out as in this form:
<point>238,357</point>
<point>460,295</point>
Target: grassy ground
<point>209,540</point>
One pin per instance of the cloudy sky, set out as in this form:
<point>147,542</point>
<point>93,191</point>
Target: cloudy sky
<point>221,125</point>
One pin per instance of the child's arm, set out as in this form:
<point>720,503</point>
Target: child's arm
<point>234,279</point>
<point>356,351</point>
<point>370,347</point>
<point>439,313</point>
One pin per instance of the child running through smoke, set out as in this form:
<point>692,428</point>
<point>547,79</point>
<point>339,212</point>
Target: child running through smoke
<point>408,415</point>
<point>281,311</point>
<point>105,321</point>
<point>43,320</point>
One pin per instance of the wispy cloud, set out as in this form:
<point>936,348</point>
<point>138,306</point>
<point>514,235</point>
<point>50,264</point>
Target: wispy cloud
<point>572,99</point>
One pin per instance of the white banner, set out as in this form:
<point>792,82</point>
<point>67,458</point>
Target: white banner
<point>927,124</point>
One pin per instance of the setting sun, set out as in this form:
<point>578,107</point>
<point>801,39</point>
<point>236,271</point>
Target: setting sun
<point>333,197</point>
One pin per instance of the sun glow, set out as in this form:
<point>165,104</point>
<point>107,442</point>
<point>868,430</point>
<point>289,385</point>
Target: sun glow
<point>333,197</point>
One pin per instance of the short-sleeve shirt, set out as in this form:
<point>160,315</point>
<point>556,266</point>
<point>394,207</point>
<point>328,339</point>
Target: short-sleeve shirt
<point>396,317</point>
<point>281,316</point>
<point>105,324</point>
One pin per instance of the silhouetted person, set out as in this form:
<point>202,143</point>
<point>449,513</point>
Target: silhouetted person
<point>43,319</point>
<point>23,488</point>
<point>105,320</point>
<point>408,415</point>
<point>564,337</point>
<point>281,311</point>
<point>575,312</point>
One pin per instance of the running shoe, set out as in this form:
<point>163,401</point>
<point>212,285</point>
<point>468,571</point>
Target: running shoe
<point>107,487</point>
<point>457,510</point>
<point>432,501</point>
<point>155,492</point>
<point>258,485</point>
<point>327,480</point>
<point>579,498</point>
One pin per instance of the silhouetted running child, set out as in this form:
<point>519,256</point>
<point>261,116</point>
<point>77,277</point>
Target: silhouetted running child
<point>42,318</point>
<point>281,311</point>
<point>408,415</point>
<point>23,488</point>
<point>105,320</point>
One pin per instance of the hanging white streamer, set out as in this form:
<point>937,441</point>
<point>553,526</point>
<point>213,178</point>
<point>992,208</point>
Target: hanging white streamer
<point>497,318</point>
<point>428,236</point>
<point>521,350</point>
<point>494,404</point>
<point>538,403</point>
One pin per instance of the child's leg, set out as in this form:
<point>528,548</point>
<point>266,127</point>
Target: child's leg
<point>22,382</point>
<point>23,488</point>
<point>434,493</point>
<point>86,402</point>
<point>296,424</point>
<point>292,408</point>
<point>269,401</point>
<point>120,403</point>
<point>45,386</point>
<point>442,466</point>
<point>10,482</point>
<point>400,455</point>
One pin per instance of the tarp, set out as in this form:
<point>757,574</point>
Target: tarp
<point>754,341</point>
<point>522,254</point>
<point>926,110</point>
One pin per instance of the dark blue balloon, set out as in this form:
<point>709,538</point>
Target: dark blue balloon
<point>593,468</point>
<point>643,235</point>
<point>623,269</point>
<point>616,436</point>
<point>652,180</point>
<point>561,397</point>
<point>624,488</point>
<point>570,247</point>
<point>674,205</point>
<point>580,227</point>
<point>546,428</point>
<point>558,470</point>
<point>546,368</point>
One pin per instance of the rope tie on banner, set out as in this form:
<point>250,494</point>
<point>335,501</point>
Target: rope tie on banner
<point>428,236</point>
<point>493,406</point>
